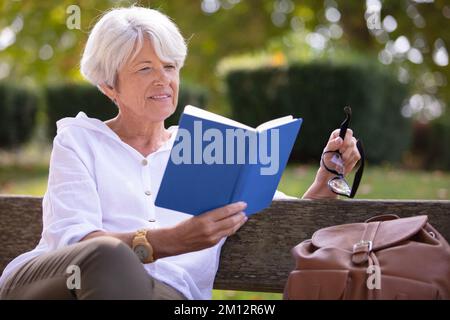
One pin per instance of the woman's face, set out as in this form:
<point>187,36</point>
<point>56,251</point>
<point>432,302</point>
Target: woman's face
<point>146,87</point>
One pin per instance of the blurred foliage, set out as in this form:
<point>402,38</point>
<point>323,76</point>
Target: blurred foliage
<point>66,100</point>
<point>37,47</point>
<point>18,108</point>
<point>43,49</point>
<point>318,92</point>
<point>430,147</point>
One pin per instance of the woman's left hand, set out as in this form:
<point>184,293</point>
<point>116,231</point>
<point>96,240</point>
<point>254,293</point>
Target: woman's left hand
<point>347,148</point>
<point>350,155</point>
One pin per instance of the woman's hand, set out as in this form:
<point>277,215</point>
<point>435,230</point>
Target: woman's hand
<point>199,232</point>
<point>347,148</point>
<point>350,155</point>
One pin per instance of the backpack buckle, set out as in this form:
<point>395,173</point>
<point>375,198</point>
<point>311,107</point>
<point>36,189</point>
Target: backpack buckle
<point>363,246</point>
<point>361,251</point>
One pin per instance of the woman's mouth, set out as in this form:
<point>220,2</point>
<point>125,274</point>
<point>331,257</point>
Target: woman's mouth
<point>160,97</point>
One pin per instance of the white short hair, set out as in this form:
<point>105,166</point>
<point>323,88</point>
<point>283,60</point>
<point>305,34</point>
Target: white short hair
<point>118,32</point>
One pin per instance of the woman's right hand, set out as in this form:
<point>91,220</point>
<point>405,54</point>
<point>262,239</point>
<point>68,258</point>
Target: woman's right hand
<point>206,230</point>
<point>199,232</point>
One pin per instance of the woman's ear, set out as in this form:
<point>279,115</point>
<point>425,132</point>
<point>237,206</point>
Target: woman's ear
<point>108,91</point>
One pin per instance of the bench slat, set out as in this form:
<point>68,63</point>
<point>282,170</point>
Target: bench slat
<point>258,257</point>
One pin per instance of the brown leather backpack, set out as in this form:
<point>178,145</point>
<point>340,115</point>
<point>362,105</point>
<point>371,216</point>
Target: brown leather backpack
<point>386,257</point>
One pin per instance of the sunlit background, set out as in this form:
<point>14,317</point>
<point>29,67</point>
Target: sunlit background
<point>253,60</point>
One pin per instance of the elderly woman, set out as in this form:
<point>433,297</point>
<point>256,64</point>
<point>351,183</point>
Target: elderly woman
<point>103,237</point>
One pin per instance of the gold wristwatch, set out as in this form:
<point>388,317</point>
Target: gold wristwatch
<point>141,247</point>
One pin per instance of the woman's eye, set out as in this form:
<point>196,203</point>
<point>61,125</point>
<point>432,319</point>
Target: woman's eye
<point>144,69</point>
<point>170,66</point>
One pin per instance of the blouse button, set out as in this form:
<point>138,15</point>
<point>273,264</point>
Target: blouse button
<point>144,162</point>
<point>148,193</point>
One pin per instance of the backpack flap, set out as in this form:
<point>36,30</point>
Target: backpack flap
<point>385,233</point>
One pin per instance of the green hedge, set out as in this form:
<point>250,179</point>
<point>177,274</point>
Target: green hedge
<point>430,148</point>
<point>66,100</point>
<point>439,155</point>
<point>18,109</point>
<point>318,92</point>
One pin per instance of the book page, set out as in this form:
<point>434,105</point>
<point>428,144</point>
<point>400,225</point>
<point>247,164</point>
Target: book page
<point>275,123</point>
<point>200,113</point>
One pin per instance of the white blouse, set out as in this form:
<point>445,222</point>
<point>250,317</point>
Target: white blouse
<point>98,182</point>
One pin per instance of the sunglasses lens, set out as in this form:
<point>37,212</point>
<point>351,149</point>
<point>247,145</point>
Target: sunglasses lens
<point>333,161</point>
<point>340,186</point>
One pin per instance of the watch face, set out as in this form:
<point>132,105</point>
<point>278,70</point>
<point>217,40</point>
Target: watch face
<point>141,252</point>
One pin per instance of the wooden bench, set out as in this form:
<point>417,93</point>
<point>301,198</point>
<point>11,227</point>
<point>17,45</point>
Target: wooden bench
<point>258,257</point>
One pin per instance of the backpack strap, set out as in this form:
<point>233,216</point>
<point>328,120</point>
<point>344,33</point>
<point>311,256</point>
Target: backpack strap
<point>362,248</point>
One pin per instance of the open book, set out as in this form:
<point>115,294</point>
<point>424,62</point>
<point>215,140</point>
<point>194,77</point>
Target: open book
<point>216,161</point>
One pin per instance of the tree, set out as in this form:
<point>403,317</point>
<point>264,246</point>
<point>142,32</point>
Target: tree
<point>38,46</point>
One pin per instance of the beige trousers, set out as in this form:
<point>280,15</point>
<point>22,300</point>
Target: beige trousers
<point>106,269</point>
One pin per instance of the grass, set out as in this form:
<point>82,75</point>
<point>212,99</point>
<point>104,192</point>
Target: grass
<point>384,182</point>
<point>24,179</point>
<point>378,183</point>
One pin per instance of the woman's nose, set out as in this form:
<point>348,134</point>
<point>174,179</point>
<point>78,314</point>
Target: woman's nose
<point>161,78</point>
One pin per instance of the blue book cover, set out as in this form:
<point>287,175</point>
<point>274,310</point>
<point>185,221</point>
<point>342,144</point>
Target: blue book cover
<point>216,161</point>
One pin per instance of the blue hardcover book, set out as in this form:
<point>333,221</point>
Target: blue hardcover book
<point>216,161</point>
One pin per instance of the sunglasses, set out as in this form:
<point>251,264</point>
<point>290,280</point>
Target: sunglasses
<point>332,161</point>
